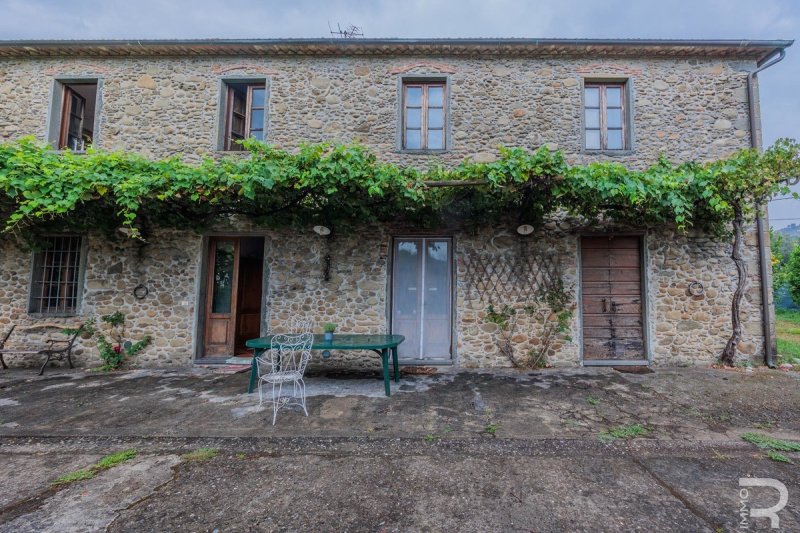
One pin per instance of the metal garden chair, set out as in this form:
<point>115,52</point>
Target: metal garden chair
<point>300,324</point>
<point>285,363</point>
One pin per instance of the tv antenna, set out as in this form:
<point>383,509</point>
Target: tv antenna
<point>350,32</point>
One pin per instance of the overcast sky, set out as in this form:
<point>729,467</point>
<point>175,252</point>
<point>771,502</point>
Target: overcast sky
<point>694,19</point>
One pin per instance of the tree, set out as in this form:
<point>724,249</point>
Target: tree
<point>790,274</point>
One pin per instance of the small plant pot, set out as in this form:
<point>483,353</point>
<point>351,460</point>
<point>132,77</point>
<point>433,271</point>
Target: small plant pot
<point>328,336</point>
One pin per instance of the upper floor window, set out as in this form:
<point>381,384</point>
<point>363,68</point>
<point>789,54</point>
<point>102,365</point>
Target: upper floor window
<point>245,114</point>
<point>605,125</point>
<point>77,120</point>
<point>424,116</point>
<point>55,283</point>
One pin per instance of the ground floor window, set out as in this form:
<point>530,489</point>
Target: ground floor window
<point>56,276</point>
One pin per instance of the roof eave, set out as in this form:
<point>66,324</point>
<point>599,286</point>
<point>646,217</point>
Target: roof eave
<point>750,49</point>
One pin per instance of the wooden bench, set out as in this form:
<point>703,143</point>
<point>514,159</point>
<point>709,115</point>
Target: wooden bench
<point>52,349</point>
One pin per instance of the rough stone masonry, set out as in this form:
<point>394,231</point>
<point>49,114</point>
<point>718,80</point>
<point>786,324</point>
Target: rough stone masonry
<point>687,108</point>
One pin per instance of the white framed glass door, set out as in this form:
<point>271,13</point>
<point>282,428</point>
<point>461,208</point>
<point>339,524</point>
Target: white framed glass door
<point>422,297</point>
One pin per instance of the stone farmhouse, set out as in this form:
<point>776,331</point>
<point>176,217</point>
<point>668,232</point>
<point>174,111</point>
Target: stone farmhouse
<point>642,295</point>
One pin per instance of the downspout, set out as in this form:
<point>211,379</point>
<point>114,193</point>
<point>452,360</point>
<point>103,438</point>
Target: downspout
<point>764,262</point>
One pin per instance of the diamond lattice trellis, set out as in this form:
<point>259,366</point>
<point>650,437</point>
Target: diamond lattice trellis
<point>519,275</point>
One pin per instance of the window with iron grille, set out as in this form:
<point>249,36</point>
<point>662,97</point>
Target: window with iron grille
<point>56,280</point>
<point>424,116</point>
<point>604,111</point>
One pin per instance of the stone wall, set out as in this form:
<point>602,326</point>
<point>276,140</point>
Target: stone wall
<point>691,324</point>
<point>685,109</point>
<point>683,327</point>
<point>168,265</point>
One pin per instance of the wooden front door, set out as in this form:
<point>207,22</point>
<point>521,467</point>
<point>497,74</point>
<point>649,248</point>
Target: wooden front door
<point>223,279</point>
<point>611,289</point>
<point>233,294</point>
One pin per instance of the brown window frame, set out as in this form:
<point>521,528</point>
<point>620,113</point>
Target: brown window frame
<point>424,109</point>
<point>603,108</point>
<point>247,116</point>
<point>57,276</point>
<point>68,114</point>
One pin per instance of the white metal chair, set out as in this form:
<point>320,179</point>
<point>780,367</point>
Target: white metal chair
<point>300,324</point>
<point>285,363</point>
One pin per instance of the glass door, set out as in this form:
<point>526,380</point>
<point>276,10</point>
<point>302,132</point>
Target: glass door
<point>421,297</point>
<point>221,295</point>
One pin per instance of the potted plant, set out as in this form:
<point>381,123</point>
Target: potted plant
<point>328,328</point>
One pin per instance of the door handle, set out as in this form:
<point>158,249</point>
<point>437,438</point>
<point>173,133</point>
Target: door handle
<point>614,306</point>
<point>604,304</point>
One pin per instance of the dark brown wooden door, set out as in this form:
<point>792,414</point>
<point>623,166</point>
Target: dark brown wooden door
<point>251,271</point>
<point>611,289</point>
<point>221,296</point>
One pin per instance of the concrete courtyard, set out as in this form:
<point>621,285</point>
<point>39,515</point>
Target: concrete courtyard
<point>553,450</point>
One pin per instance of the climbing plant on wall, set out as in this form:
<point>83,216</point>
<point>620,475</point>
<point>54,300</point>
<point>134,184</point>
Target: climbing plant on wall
<point>346,185</point>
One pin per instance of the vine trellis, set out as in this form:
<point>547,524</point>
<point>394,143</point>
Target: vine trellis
<point>345,186</point>
<point>517,275</point>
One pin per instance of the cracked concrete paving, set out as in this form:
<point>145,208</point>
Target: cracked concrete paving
<point>420,460</point>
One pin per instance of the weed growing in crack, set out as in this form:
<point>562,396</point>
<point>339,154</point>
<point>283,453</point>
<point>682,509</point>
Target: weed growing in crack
<point>770,443</point>
<point>773,446</point>
<point>592,400</point>
<point>630,431</point>
<point>779,457</point>
<point>109,461</point>
<point>114,459</point>
<point>721,456</point>
<point>767,424</point>
<point>77,475</point>
<point>491,428</point>
<point>201,454</point>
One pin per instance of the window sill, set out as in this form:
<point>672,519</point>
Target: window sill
<point>70,314</point>
<point>231,152</point>
<point>73,152</point>
<point>422,152</point>
<point>611,153</point>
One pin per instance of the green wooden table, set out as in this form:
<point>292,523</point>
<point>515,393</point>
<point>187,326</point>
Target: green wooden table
<point>380,344</point>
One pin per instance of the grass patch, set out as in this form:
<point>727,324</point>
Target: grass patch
<point>630,431</point>
<point>770,443</point>
<point>593,401</point>
<point>201,454</point>
<point>789,351</point>
<point>491,428</point>
<point>109,461</point>
<point>788,315</point>
<point>77,475</point>
<point>114,459</point>
<point>779,457</point>
<point>787,328</point>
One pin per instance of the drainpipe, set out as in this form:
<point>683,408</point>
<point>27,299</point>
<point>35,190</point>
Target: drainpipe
<point>764,262</point>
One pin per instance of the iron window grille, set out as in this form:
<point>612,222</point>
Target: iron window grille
<point>56,276</point>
